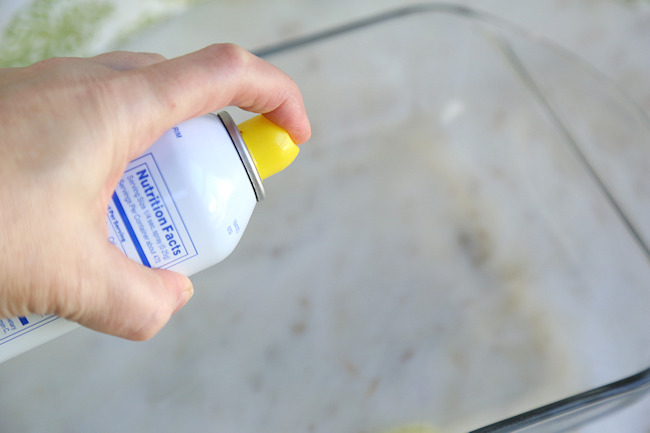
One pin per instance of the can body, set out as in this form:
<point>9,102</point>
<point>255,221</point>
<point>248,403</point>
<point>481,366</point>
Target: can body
<point>182,205</point>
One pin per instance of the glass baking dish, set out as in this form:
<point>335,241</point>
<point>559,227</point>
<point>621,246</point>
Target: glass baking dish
<point>472,184</point>
<point>464,240</point>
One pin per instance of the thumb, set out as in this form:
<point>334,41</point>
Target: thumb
<point>133,302</point>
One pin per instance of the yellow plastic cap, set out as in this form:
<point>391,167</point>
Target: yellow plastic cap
<point>270,146</point>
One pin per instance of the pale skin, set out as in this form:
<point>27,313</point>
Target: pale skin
<point>68,127</point>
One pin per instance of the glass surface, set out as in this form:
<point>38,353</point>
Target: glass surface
<point>481,245</point>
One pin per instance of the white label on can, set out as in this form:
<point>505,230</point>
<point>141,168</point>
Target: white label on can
<point>14,327</point>
<point>143,220</point>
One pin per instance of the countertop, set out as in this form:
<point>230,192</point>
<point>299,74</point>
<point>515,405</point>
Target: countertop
<point>274,341</point>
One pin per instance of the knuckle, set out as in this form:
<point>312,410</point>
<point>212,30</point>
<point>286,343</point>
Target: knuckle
<point>50,63</point>
<point>130,59</point>
<point>124,60</point>
<point>136,60</point>
<point>230,57</point>
<point>153,57</point>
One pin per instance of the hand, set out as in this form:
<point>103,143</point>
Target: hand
<point>68,128</point>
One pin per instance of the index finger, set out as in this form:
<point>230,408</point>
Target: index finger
<point>219,76</point>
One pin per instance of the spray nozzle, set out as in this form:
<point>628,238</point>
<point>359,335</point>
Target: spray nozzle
<point>270,146</point>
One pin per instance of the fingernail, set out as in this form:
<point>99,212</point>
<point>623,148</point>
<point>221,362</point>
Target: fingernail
<point>183,298</point>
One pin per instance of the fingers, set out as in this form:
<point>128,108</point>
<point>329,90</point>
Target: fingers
<point>219,76</point>
<point>125,60</point>
<point>130,300</point>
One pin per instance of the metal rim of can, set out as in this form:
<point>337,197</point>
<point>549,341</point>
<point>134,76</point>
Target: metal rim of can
<point>244,154</point>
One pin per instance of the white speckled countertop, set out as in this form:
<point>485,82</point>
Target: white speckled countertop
<point>353,305</point>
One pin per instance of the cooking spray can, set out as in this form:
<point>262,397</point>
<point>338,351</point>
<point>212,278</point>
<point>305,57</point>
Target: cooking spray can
<point>183,205</point>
